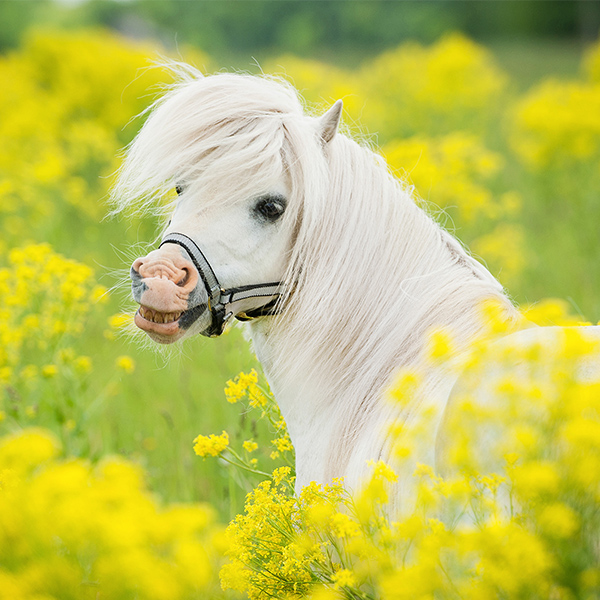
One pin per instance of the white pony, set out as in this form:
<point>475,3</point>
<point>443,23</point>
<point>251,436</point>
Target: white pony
<point>284,221</point>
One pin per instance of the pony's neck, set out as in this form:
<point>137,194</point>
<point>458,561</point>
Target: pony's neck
<point>358,317</point>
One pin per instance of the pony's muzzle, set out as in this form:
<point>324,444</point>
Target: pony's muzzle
<point>162,284</point>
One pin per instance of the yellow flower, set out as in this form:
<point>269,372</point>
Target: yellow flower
<point>283,444</point>
<point>100,294</point>
<point>233,391</point>
<point>250,445</point>
<point>28,448</point>
<point>551,311</point>
<point>119,320</point>
<point>558,520</point>
<point>343,578</point>
<point>5,374</point>
<point>383,471</point>
<point>49,371</point>
<point>126,364</point>
<point>440,345</point>
<point>319,513</point>
<point>280,474</point>
<point>245,384</point>
<point>536,478</point>
<point>453,172</point>
<point>211,445</point>
<point>234,576</point>
<point>405,386</point>
<point>83,364</point>
<point>237,388</point>
<point>344,526</point>
<point>142,548</point>
<point>452,85</point>
<point>558,123</point>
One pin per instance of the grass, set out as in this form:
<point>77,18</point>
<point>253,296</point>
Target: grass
<point>153,414</point>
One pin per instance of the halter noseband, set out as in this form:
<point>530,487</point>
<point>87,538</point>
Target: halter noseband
<point>220,300</point>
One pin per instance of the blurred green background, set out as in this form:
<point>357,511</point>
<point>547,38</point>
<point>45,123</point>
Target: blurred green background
<point>492,110</point>
<point>529,37</point>
<point>342,30</point>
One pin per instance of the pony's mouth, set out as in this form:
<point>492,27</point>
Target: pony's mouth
<point>161,327</point>
<point>166,327</point>
<point>155,316</point>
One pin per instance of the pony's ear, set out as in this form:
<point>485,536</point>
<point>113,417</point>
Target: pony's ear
<point>328,123</point>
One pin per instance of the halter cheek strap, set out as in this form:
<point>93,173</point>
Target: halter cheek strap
<point>245,302</point>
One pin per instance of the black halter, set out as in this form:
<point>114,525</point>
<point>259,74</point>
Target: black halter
<point>250,299</point>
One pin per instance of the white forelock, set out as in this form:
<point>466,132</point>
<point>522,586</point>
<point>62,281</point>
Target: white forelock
<point>201,131</point>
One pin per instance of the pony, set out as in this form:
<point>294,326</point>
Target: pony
<point>279,219</point>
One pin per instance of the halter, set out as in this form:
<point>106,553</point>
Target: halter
<point>221,301</point>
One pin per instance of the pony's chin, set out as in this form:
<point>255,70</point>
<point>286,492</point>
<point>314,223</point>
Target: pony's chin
<point>162,333</point>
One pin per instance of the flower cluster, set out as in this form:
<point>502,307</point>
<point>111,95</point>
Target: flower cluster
<point>245,385</point>
<point>211,445</point>
<point>70,97</point>
<point>452,172</point>
<point>45,298</point>
<point>453,85</point>
<point>46,301</point>
<point>70,529</point>
<point>261,412</point>
<point>558,121</point>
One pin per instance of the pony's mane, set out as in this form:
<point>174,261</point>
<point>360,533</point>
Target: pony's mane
<point>372,276</point>
<point>370,265</point>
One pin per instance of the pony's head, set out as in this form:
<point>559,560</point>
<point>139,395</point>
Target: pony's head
<point>231,158</point>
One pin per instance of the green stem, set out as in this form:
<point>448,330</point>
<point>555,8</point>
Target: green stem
<point>241,465</point>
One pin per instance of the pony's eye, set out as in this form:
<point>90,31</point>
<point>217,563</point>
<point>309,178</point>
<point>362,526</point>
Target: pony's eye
<point>270,208</point>
<point>179,189</point>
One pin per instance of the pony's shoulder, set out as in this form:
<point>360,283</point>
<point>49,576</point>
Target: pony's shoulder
<point>526,355</point>
<point>515,375</point>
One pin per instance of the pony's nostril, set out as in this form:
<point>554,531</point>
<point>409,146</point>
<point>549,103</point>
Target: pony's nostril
<point>185,278</point>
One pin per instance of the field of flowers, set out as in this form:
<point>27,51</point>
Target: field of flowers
<point>106,488</point>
